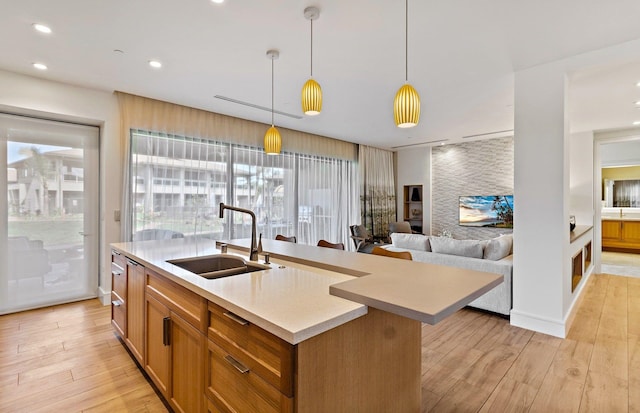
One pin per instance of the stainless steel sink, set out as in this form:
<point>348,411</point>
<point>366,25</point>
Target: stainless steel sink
<point>218,266</point>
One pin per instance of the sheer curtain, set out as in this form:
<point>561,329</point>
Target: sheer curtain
<point>377,197</point>
<point>175,185</point>
<point>328,200</point>
<point>626,193</point>
<point>266,185</point>
<point>182,191</point>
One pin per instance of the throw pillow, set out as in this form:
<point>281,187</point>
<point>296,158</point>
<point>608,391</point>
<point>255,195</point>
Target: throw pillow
<point>410,241</point>
<point>462,247</point>
<point>498,248</point>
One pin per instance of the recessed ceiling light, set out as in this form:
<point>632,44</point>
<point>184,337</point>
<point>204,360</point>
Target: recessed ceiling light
<point>40,66</point>
<point>638,84</point>
<point>217,1</point>
<point>42,28</point>
<point>155,64</point>
<point>636,122</point>
<point>637,102</point>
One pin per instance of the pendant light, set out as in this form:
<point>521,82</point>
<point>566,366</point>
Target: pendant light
<point>406,105</point>
<point>272,139</point>
<point>311,91</point>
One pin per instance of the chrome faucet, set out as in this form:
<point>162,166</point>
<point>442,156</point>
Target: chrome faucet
<point>253,255</point>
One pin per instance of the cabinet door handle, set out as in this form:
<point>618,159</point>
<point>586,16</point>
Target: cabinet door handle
<point>117,272</point>
<point>133,263</point>
<point>236,364</point>
<point>166,328</point>
<point>116,252</point>
<point>236,318</point>
<point>116,303</point>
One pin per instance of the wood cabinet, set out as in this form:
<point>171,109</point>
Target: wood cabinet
<point>204,358</point>
<point>119,293</point>
<point>250,370</point>
<point>127,302</point>
<point>135,309</point>
<point>412,211</point>
<point>620,235</point>
<point>175,320</point>
<point>157,361</point>
<point>247,368</point>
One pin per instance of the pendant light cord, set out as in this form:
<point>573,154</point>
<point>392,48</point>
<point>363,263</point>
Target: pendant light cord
<point>406,40</point>
<point>272,92</point>
<point>311,47</point>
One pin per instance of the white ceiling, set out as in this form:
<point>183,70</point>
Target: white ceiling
<point>462,56</point>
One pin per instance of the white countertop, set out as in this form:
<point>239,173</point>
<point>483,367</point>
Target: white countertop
<point>292,303</point>
<point>417,290</point>
<point>304,299</point>
<point>624,217</point>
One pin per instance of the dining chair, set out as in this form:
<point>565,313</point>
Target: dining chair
<point>400,226</point>
<point>327,244</point>
<point>288,239</point>
<point>404,255</point>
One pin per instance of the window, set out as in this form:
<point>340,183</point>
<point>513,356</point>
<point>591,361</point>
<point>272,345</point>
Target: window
<point>178,182</point>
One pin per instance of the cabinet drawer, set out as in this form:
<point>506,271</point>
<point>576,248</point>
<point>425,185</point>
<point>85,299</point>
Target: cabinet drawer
<point>184,302</point>
<point>119,314</point>
<point>119,280</point>
<point>232,390</point>
<point>118,258</point>
<point>268,356</point>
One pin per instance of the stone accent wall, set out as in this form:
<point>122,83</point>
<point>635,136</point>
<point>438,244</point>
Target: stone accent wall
<point>482,167</point>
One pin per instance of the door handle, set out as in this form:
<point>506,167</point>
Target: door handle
<point>236,318</point>
<point>166,326</point>
<point>84,234</point>
<point>236,364</point>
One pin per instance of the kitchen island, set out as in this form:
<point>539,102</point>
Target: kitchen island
<point>283,339</point>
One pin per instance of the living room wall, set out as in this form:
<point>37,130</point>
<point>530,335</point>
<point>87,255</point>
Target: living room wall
<point>482,167</point>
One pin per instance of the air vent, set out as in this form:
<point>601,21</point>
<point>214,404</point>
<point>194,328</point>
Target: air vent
<point>253,105</point>
<point>419,144</point>
<point>487,134</point>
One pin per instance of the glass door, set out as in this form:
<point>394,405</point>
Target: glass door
<point>49,224</point>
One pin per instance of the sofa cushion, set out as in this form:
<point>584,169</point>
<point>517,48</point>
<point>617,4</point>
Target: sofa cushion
<point>462,247</point>
<point>410,241</point>
<point>498,248</point>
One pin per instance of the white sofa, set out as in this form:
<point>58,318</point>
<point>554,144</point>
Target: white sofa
<point>494,256</point>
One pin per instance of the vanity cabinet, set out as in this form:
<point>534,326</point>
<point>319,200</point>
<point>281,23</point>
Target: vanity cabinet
<point>621,234</point>
<point>175,325</point>
<point>247,368</point>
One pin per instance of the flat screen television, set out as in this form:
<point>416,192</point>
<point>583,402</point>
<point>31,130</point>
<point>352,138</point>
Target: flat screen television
<point>494,211</point>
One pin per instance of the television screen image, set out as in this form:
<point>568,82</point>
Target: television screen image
<point>486,211</point>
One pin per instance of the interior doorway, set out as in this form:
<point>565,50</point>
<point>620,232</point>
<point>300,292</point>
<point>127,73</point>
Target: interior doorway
<point>49,226</point>
<point>619,188</point>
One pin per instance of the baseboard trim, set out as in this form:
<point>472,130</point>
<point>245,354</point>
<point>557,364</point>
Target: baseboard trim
<point>104,296</point>
<point>544,325</point>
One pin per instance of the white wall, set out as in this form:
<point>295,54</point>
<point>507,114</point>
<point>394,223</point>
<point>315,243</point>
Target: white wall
<point>541,183</point>
<point>620,153</point>
<point>581,174</point>
<point>414,168</point>
<point>37,97</point>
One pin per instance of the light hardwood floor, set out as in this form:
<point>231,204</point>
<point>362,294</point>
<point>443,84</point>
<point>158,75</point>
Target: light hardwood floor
<point>67,359</point>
